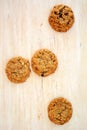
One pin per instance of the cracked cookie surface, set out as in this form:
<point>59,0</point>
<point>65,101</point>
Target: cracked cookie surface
<point>61,18</point>
<point>44,62</point>
<point>18,69</point>
<point>60,110</point>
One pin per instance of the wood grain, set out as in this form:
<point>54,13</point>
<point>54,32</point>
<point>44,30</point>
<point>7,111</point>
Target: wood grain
<point>24,28</point>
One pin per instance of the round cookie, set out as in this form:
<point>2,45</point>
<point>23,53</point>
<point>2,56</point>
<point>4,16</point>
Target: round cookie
<point>61,18</point>
<point>60,111</point>
<point>44,62</point>
<point>18,69</point>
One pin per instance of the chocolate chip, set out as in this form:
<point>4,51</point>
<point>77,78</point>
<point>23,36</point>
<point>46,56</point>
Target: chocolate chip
<point>68,22</point>
<point>65,13</point>
<point>54,104</point>
<point>55,12</point>
<point>60,14</point>
<point>42,74</point>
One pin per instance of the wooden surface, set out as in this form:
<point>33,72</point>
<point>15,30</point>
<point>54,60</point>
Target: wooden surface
<point>24,28</point>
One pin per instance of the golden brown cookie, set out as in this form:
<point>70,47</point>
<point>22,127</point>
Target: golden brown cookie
<point>18,69</point>
<point>61,18</point>
<point>44,62</point>
<point>60,111</point>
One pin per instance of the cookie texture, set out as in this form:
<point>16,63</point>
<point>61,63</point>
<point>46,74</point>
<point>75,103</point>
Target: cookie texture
<point>61,18</point>
<point>18,69</point>
<point>44,62</point>
<point>60,111</point>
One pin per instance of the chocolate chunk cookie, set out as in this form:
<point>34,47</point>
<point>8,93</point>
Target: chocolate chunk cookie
<point>60,111</point>
<point>18,69</point>
<point>44,62</point>
<point>61,18</point>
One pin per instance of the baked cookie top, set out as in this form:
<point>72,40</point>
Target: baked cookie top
<point>61,18</point>
<point>60,111</point>
<point>18,69</point>
<point>44,62</point>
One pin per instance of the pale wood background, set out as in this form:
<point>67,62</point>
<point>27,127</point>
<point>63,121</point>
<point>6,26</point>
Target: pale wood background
<point>24,28</point>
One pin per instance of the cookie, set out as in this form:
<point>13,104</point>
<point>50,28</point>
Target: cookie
<point>44,62</point>
<point>18,69</point>
<point>60,111</point>
<point>61,18</point>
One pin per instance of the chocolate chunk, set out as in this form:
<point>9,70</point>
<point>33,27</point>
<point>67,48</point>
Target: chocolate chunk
<point>55,12</point>
<point>42,74</point>
<point>65,13</point>
<point>60,14</point>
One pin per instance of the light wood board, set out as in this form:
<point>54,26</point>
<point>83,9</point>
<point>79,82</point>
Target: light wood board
<point>24,28</point>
